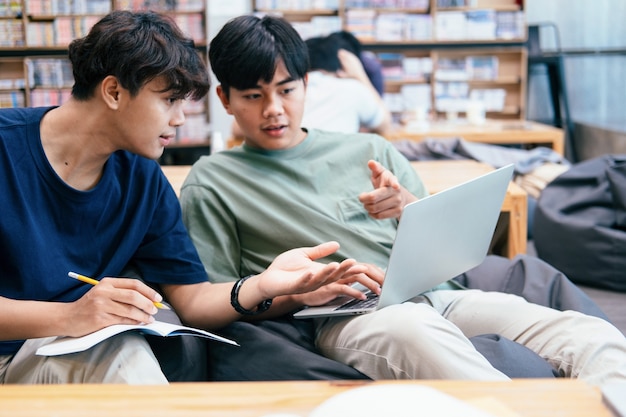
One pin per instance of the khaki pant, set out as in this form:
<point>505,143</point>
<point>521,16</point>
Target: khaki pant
<point>123,359</point>
<point>429,339</point>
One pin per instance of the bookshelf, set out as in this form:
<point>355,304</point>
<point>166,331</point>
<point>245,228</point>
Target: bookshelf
<point>438,55</point>
<point>34,35</point>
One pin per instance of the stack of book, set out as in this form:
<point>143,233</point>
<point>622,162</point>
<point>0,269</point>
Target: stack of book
<point>389,4</point>
<point>67,7</point>
<point>10,8</point>
<point>11,33</point>
<point>9,99</point>
<point>361,23</point>
<point>49,73</point>
<point>192,25</point>
<point>451,97</point>
<point>296,4</point>
<point>386,26</point>
<point>479,25</point>
<point>318,26</point>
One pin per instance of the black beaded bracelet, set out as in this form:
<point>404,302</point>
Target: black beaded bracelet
<point>234,300</point>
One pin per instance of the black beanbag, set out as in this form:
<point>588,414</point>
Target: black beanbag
<point>580,223</point>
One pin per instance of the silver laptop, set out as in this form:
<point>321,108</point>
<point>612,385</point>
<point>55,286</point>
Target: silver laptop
<point>438,238</point>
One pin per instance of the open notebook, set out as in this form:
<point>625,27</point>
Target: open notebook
<point>438,238</point>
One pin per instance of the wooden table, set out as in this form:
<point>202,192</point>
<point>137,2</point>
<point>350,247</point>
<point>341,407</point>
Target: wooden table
<point>521,398</point>
<point>513,222</point>
<point>497,132</point>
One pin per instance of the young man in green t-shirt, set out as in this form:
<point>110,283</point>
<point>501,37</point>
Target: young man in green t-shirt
<point>290,186</point>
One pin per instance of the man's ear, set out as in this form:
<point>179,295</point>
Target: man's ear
<point>110,89</point>
<point>223,98</point>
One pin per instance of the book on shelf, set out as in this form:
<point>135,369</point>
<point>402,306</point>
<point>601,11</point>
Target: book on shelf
<point>395,103</point>
<point>482,67</point>
<point>390,27</point>
<point>451,69</point>
<point>67,7</point>
<point>12,83</point>
<point>65,345</point>
<point>296,4</point>
<point>417,68</point>
<point>45,97</point>
<point>391,65</point>
<point>10,99</point>
<point>418,27</point>
<point>49,72</point>
<point>480,24</point>
<point>451,3</point>
<point>450,25</point>
<point>389,4</point>
<point>416,96</point>
<point>361,23</point>
<point>318,26</point>
<point>10,8</point>
<point>11,33</point>
<point>161,5</point>
<point>451,96</point>
<point>493,99</point>
<point>510,25</point>
<point>192,25</point>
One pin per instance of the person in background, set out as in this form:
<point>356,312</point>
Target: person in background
<point>371,64</point>
<point>81,191</point>
<point>340,96</point>
<point>289,186</point>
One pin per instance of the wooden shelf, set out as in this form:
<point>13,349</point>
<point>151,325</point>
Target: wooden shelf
<point>14,61</point>
<point>508,50</point>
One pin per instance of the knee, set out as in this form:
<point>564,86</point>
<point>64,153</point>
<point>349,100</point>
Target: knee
<point>405,323</point>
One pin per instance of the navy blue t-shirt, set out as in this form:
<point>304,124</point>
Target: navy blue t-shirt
<point>47,228</point>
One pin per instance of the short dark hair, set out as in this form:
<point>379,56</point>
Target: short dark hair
<point>323,51</point>
<point>137,47</point>
<point>347,41</point>
<point>248,48</point>
<point>323,54</point>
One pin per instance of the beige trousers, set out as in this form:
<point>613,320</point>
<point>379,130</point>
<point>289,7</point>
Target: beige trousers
<point>123,359</point>
<point>429,340</point>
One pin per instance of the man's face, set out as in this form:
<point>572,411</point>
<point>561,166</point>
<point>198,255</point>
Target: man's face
<point>269,114</point>
<point>147,122</point>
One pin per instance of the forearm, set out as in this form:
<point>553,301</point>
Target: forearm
<point>32,319</point>
<point>208,306</point>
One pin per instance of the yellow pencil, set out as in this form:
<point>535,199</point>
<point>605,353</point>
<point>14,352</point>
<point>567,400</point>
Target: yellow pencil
<point>92,281</point>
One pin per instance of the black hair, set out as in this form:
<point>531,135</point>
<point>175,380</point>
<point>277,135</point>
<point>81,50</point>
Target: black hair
<point>248,48</point>
<point>323,51</point>
<point>137,47</point>
<point>323,54</point>
<point>346,40</point>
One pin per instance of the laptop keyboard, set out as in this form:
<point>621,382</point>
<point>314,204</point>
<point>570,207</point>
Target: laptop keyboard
<point>370,301</point>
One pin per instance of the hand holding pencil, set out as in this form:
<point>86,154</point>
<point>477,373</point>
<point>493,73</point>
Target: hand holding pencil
<point>92,281</point>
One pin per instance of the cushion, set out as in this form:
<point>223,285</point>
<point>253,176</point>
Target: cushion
<point>580,223</point>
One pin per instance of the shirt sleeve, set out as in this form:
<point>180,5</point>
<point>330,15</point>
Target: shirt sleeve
<point>166,254</point>
<point>213,232</point>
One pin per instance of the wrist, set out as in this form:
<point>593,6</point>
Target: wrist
<point>234,300</point>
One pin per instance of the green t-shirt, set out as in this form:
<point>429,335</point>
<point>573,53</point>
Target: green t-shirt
<point>244,206</point>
